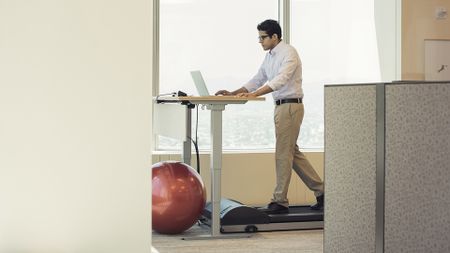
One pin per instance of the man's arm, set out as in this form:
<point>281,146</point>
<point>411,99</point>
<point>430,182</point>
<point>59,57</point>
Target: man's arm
<point>259,92</point>
<point>233,93</point>
<point>259,79</point>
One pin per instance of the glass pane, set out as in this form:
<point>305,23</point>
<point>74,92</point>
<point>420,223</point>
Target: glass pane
<point>219,38</point>
<point>336,41</point>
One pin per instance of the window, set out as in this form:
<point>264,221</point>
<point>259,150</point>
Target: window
<point>220,39</point>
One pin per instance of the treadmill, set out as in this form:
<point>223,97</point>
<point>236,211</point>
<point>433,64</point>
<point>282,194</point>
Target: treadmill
<point>236,217</point>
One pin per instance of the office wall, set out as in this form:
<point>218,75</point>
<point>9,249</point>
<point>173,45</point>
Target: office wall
<point>419,23</point>
<point>250,177</point>
<point>75,126</point>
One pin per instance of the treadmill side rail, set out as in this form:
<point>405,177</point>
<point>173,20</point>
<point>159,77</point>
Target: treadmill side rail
<point>252,228</point>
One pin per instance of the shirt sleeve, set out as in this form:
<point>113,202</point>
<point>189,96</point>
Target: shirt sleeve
<point>286,71</point>
<point>257,81</point>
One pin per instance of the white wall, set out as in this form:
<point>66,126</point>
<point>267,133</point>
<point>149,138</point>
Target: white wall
<point>75,125</point>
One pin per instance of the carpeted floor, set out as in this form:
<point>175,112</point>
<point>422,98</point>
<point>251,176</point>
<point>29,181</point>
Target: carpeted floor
<point>308,241</point>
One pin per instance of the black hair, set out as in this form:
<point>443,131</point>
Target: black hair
<point>271,27</point>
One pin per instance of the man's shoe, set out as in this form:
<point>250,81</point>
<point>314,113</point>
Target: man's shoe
<point>274,208</point>
<point>319,204</point>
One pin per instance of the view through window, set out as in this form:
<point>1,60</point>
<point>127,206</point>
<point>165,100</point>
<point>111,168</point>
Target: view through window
<point>336,40</point>
<point>219,38</point>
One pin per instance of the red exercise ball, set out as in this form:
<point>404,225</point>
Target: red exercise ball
<point>178,196</point>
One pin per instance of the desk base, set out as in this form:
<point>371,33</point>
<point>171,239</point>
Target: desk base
<point>212,237</point>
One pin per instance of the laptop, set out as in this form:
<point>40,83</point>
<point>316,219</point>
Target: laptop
<point>199,83</point>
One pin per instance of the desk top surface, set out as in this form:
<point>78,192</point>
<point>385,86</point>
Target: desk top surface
<point>210,99</point>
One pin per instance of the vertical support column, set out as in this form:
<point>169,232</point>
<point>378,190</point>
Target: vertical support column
<point>216,166</point>
<point>380,168</point>
<point>155,50</point>
<point>186,154</point>
<point>284,19</point>
<point>155,58</point>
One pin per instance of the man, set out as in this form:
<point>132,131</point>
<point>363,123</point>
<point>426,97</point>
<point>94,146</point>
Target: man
<point>281,75</point>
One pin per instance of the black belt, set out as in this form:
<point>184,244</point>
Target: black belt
<point>288,100</point>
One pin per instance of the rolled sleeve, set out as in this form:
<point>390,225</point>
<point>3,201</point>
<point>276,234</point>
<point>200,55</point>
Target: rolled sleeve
<point>289,65</point>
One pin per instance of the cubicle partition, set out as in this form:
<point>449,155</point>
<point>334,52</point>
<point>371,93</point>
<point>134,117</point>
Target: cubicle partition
<point>387,167</point>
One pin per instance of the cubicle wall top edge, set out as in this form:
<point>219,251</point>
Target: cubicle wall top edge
<point>351,84</point>
<point>387,83</point>
<point>419,82</point>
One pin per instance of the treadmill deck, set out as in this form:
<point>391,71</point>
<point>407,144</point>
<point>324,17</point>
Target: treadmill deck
<point>236,217</point>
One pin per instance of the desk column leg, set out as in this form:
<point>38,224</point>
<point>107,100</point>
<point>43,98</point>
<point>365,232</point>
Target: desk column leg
<point>186,153</point>
<point>216,166</point>
<point>216,170</point>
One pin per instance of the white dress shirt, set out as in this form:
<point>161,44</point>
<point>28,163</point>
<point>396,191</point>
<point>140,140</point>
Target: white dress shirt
<point>282,70</point>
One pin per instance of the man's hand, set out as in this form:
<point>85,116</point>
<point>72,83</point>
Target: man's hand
<point>247,95</point>
<point>224,93</point>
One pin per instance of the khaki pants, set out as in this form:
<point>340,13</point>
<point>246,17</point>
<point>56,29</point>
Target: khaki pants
<point>288,119</point>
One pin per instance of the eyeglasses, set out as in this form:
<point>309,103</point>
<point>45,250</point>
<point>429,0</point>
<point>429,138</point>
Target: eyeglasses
<point>262,37</point>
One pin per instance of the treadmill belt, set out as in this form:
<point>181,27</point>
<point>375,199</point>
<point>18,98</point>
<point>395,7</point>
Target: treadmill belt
<point>298,214</point>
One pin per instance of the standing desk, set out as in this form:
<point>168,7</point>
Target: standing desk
<point>216,104</point>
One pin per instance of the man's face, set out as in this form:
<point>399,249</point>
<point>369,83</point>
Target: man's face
<point>266,41</point>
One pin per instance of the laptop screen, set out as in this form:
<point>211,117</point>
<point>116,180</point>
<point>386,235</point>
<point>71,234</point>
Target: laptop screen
<point>199,83</point>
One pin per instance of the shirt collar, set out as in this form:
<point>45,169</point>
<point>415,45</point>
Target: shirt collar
<point>277,48</point>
